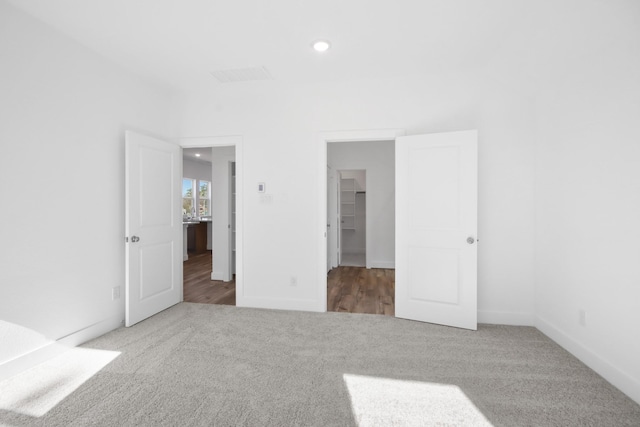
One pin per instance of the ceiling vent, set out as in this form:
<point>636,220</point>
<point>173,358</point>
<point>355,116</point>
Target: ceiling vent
<point>241,75</point>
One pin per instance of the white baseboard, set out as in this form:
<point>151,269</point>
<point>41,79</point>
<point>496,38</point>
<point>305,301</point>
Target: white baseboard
<point>279,303</point>
<point>506,318</point>
<point>620,379</point>
<point>55,348</point>
<point>185,257</point>
<point>358,251</point>
<point>28,360</point>
<point>381,264</point>
<point>92,331</point>
<point>215,275</point>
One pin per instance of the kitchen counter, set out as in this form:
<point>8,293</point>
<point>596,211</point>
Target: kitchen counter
<point>192,221</point>
<point>195,235</point>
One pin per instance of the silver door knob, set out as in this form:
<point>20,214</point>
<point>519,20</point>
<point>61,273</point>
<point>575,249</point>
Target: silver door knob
<point>135,239</point>
<point>470,240</point>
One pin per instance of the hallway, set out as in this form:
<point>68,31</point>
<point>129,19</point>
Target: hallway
<point>198,286</point>
<point>358,290</point>
<point>349,289</point>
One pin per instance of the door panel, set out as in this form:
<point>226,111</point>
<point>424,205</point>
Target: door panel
<point>154,278</point>
<point>436,211</point>
<point>153,225</point>
<point>439,267</point>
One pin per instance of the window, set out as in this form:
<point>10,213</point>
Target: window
<point>196,197</point>
<point>204,198</point>
<point>188,196</point>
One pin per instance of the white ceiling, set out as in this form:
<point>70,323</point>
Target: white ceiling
<point>179,42</point>
<point>205,154</point>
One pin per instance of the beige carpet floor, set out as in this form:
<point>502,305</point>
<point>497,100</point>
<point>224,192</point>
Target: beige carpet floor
<point>201,365</point>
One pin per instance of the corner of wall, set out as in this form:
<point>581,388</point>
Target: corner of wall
<point>505,318</point>
<point>620,379</point>
<point>52,348</point>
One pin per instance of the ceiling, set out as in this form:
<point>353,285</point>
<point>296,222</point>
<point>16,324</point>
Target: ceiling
<point>205,154</point>
<point>179,42</point>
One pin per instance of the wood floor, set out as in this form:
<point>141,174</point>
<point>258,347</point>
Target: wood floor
<point>349,289</point>
<point>358,290</point>
<point>198,286</point>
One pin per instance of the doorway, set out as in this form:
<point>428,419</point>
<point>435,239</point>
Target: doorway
<point>214,276</point>
<point>362,279</point>
<point>196,201</point>
<point>436,223</point>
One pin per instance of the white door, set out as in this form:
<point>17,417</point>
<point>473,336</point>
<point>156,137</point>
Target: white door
<point>436,228</point>
<point>153,226</point>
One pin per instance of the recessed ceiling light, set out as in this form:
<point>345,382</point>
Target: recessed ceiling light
<point>197,154</point>
<point>321,45</point>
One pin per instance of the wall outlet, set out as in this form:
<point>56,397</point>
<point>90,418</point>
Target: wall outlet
<point>293,281</point>
<point>115,293</point>
<point>582,317</point>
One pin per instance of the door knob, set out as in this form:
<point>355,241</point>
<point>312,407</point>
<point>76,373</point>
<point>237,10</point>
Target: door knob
<point>470,240</point>
<point>135,239</point>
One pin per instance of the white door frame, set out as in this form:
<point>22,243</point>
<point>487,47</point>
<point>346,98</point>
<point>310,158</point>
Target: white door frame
<point>323,139</point>
<point>226,141</point>
<point>332,224</point>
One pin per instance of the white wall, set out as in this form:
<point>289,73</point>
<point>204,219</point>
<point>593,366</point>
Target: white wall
<point>359,175</point>
<point>378,159</point>
<point>196,170</point>
<point>588,204</point>
<point>64,111</point>
<point>280,126</point>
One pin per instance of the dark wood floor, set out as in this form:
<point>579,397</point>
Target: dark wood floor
<point>358,290</point>
<point>349,289</point>
<point>198,286</point>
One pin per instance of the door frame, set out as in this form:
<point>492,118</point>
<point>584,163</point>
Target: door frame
<point>226,141</point>
<point>324,138</point>
<point>332,223</point>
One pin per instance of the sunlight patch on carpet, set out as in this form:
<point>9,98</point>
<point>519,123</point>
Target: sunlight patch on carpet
<point>384,401</point>
<point>39,389</point>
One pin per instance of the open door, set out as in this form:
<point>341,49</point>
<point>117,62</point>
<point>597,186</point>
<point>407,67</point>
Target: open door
<point>153,226</point>
<point>436,228</point>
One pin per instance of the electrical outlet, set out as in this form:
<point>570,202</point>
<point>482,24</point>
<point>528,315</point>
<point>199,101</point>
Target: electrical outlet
<point>115,293</point>
<point>582,317</point>
<point>293,281</point>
